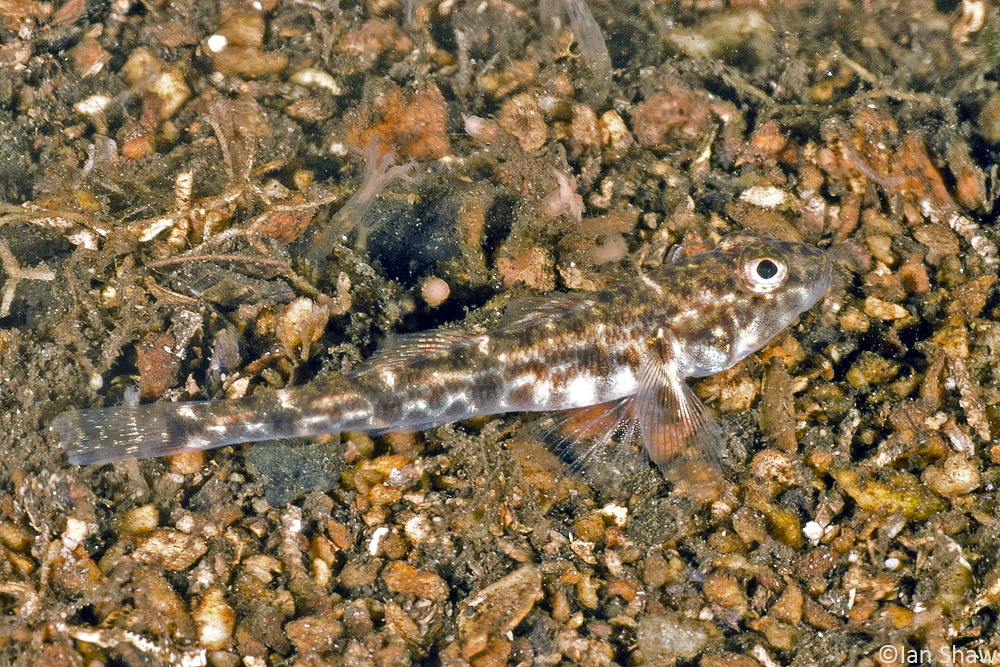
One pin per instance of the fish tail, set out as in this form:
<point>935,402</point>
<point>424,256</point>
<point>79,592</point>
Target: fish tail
<point>105,435</point>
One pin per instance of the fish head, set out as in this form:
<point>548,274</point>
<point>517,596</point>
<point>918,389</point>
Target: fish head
<point>732,300</point>
<point>775,281</point>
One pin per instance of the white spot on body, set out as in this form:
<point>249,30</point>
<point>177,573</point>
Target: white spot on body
<point>461,397</point>
<point>388,377</point>
<point>484,345</point>
<point>622,383</point>
<point>418,406</point>
<point>542,393</point>
<point>314,420</point>
<point>285,399</point>
<point>581,391</point>
<point>187,412</point>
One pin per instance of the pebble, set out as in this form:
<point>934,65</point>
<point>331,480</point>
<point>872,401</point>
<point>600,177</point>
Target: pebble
<point>892,491</point>
<point>14,537</point>
<point>883,310</point>
<point>957,476</point>
<point>670,637</point>
<point>140,520</point>
<point>170,549</point>
<point>724,590</point>
<point>434,291</point>
<point>788,608</point>
<point>499,607</point>
<point>401,577</point>
<point>314,633</point>
<point>214,619</point>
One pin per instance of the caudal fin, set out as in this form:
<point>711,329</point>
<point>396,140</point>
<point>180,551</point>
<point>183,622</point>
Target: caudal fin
<point>103,435</point>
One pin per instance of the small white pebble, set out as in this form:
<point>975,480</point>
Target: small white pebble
<point>217,43</point>
<point>377,538</point>
<point>96,381</point>
<point>769,197</point>
<point>92,105</point>
<point>616,513</point>
<point>185,524</point>
<point>418,529</point>
<point>312,77</point>
<point>813,531</point>
<point>76,532</point>
<point>891,564</point>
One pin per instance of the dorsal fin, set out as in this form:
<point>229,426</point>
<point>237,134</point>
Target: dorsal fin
<point>403,350</point>
<point>532,310</point>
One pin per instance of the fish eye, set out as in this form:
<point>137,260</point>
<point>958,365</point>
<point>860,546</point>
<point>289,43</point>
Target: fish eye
<point>765,273</point>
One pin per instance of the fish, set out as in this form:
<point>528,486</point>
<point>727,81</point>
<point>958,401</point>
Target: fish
<point>614,361</point>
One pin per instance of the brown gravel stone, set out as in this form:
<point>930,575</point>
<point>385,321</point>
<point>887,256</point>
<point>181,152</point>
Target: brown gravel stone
<point>161,606</point>
<point>665,638</point>
<point>773,465</point>
<point>750,525</point>
<point>313,633</point>
<point>883,310</point>
<point>170,549</point>
<point>532,267</point>
<point>655,571</point>
<point>499,607</point>
<point>724,590</point>
<point>590,527</point>
<point>415,124</point>
<point>676,115</point>
<point>355,575</point>
<point>779,635</point>
<point>852,319</point>
<point>957,476</point>
<point>376,39</point>
<point>939,240</point>
<point>728,660</point>
<point>14,537</point>
<point>158,364</point>
<point>401,577</point>
<point>397,619</point>
<point>818,617</point>
<point>788,607</point>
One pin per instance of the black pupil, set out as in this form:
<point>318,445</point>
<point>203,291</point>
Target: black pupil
<point>767,269</point>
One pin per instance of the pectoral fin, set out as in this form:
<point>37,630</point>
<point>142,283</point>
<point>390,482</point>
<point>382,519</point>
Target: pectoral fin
<point>681,436</point>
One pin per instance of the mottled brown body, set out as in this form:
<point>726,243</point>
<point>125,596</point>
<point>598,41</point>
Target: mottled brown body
<point>627,348</point>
